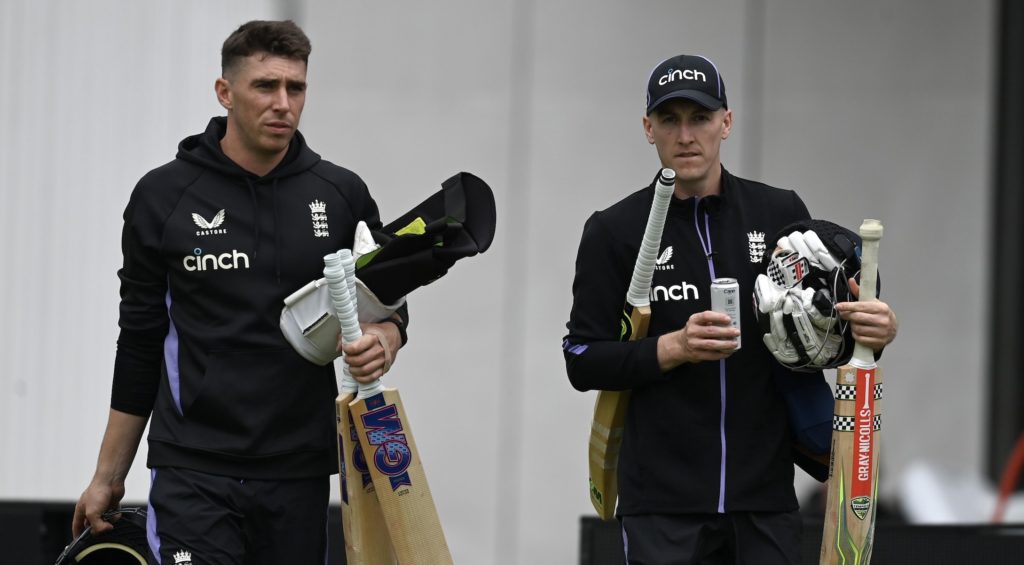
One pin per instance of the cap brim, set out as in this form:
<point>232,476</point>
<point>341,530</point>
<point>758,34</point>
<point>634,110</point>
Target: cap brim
<point>699,97</point>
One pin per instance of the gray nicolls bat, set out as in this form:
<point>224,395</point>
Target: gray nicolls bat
<point>848,535</point>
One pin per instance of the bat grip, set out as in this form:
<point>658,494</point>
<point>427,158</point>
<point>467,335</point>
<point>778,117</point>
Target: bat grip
<point>643,270</point>
<point>345,306</point>
<point>348,263</point>
<point>335,275</point>
<point>870,235</point>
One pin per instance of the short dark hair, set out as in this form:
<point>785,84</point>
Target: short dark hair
<point>281,39</point>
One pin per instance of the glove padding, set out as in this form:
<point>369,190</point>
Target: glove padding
<point>809,245</point>
<point>414,250</point>
<point>798,331</point>
<point>310,325</point>
<point>795,299</point>
<point>308,320</point>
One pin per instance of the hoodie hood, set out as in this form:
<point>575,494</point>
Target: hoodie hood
<point>204,150</point>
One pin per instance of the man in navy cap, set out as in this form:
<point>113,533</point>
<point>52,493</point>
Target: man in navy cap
<point>706,466</point>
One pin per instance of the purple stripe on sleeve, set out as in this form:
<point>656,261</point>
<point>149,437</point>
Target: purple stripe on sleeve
<point>171,357</point>
<point>577,349</point>
<point>151,537</point>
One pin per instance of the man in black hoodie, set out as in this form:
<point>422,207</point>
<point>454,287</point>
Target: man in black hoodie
<point>242,439</point>
<point>705,470</point>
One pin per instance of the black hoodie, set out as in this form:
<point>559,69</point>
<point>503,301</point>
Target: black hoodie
<point>210,253</point>
<point>703,437</point>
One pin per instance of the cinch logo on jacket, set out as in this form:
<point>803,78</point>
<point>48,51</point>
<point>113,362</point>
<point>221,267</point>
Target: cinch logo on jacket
<point>675,293</point>
<point>199,261</point>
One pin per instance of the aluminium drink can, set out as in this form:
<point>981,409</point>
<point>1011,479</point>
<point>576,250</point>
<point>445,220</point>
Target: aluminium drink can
<point>725,298</point>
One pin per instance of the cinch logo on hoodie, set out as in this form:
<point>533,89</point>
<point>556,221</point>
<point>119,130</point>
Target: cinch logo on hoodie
<point>200,261</point>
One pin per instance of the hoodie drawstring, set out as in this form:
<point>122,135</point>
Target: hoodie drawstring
<point>256,224</point>
<point>255,214</point>
<point>277,232</point>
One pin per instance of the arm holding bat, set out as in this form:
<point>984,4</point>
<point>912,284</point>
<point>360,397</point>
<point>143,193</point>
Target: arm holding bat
<point>371,356</point>
<point>873,323</point>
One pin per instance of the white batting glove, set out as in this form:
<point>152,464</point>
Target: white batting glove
<point>820,344</point>
<point>809,245</point>
<point>769,296</point>
<point>777,341</point>
<point>822,320</point>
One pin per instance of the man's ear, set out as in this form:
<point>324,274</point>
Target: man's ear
<point>727,123</point>
<point>647,130</point>
<point>223,89</point>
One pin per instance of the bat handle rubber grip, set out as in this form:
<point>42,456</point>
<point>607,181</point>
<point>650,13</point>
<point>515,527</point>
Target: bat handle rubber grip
<point>348,263</point>
<point>345,306</point>
<point>643,270</point>
<point>870,235</point>
<point>338,290</point>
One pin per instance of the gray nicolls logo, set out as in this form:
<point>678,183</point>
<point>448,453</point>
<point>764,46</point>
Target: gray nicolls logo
<point>755,243</point>
<point>318,211</point>
<point>183,557</point>
<point>662,262</point>
<point>680,74</point>
<point>212,227</point>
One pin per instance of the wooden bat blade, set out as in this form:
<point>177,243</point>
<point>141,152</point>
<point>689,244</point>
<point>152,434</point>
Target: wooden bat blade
<point>366,536</point>
<point>848,535</point>
<point>605,443</point>
<point>399,480</point>
<point>365,532</point>
<point>608,424</point>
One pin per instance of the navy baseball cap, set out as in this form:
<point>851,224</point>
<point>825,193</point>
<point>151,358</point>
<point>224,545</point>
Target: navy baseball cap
<point>686,76</point>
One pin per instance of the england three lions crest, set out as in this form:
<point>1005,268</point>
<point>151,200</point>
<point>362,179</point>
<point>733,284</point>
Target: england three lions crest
<point>318,212</point>
<point>755,245</point>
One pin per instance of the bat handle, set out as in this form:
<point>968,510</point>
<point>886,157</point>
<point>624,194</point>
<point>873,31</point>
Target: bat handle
<point>340,298</point>
<point>643,270</point>
<point>345,304</point>
<point>348,263</point>
<point>870,235</point>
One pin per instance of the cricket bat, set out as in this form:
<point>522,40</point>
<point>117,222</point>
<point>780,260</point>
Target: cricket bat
<point>365,534</point>
<point>394,462</point>
<point>611,406</point>
<point>848,534</point>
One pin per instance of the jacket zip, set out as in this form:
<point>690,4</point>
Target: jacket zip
<point>708,252</point>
